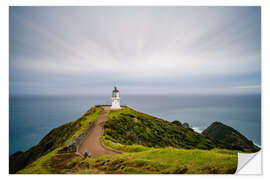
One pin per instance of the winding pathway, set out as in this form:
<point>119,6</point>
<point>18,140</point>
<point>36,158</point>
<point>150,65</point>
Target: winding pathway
<point>92,143</point>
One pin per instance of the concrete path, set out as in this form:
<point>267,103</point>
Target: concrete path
<point>92,143</point>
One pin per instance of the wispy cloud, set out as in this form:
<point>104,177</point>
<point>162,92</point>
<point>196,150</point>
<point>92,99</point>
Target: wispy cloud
<point>134,46</point>
<point>248,87</point>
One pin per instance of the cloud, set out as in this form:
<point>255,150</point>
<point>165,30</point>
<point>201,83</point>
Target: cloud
<point>133,44</point>
<point>248,87</point>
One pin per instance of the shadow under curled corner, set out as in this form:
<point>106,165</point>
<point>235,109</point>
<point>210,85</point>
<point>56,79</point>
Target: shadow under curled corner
<point>249,163</point>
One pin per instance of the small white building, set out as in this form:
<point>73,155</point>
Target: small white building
<point>115,99</point>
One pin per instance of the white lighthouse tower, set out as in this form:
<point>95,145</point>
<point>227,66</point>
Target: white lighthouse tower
<point>115,99</point>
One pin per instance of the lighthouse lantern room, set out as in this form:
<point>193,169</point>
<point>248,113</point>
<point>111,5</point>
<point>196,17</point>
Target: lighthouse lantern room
<point>115,99</point>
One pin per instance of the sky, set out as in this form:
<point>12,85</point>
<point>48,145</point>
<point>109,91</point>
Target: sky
<point>141,50</point>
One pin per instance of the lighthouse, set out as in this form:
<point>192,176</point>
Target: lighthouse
<point>115,99</point>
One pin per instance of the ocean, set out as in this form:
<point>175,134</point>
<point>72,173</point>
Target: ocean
<point>32,117</point>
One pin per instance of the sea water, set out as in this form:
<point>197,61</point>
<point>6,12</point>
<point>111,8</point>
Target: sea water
<point>32,117</point>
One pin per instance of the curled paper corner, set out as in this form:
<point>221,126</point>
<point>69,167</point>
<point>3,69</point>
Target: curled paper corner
<point>249,163</point>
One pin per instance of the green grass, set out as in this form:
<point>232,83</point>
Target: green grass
<point>162,161</point>
<point>84,124</point>
<point>123,148</point>
<point>117,113</point>
<point>128,127</point>
<point>56,138</point>
<point>145,161</point>
<point>141,159</point>
<point>149,145</point>
<point>41,165</point>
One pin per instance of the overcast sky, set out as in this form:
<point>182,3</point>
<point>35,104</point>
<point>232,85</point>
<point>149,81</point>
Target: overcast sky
<point>88,50</point>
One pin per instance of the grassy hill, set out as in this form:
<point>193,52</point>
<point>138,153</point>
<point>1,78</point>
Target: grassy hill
<point>137,159</point>
<point>56,138</point>
<point>229,137</point>
<point>147,145</point>
<point>129,127</point>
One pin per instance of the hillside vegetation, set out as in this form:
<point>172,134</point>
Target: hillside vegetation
<point>137,159</point>
<point>56,138</point>
<point>128,127</point>
<point>229,137</point>
<point>148,145</point>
